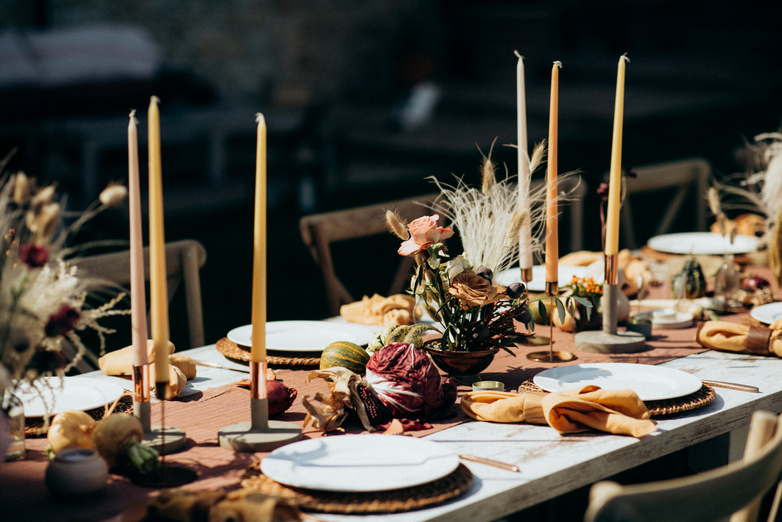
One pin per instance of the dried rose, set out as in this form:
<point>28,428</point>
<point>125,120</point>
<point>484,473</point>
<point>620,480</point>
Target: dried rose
<point>32,255</point>
<point>63,321</point>
<point>424,232</point>
<point>472,289</point>
<point>50,360</point>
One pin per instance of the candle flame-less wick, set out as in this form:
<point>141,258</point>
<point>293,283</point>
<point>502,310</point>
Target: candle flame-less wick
<point>520,57</point>
<point>155,99</point>
<point>625,58</point>
<point>133,113</point>
<point>259,117</point>
<point>557,63</point>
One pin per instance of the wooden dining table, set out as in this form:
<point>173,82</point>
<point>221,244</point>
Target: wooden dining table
<point>550,464</point>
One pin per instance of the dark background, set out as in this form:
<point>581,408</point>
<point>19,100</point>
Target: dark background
<point>703,78</point>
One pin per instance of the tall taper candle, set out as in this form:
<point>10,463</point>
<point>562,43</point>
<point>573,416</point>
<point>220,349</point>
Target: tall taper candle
<point>258,350</point>
<point>525,234</point>
<point>157,248</point>
<point>552,232</point>
<point>138,298</point>
<point>615,179</point>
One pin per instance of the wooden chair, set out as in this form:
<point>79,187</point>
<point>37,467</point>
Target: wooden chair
<point>677,182</point>
<point>319,231</point>
<point>184,260</point>
<point>571,209</point>
<point>735,489</point>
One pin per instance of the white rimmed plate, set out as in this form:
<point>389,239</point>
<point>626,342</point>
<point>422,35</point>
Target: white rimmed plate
<point>705,243</point>
<point>304,336</point>
<point>651,383</point>
<point>767,313</point>
<point>538,283</point>
<point>359,463</point>
<point>52,395</point>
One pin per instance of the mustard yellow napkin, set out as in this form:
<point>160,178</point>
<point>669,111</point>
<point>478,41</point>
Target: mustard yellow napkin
<point>732,337</point>
<point>379,310</point>
<point>620,412</point>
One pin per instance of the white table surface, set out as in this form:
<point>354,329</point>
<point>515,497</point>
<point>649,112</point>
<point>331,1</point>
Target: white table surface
<point>552,465</point>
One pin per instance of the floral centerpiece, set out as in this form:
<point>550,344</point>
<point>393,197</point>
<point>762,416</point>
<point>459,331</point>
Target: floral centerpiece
<point>470,308</point>
<point>43,298</point>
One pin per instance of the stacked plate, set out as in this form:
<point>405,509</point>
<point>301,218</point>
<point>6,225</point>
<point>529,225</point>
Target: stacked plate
<point>359,463</point>
<point>304,336</point>
<point>651,383</point>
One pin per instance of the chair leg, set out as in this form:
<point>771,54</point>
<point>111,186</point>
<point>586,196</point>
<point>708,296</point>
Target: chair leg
<point>195,315</point>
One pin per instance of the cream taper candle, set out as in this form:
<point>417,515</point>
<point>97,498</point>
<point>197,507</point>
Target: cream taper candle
<point>157,248</point>
<point>525,233</point>
<point>615,178</point>
<point>258,350</point>
<point>552,232</point>
<point>138,298</point>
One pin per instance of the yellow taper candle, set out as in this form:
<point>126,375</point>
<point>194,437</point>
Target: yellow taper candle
<point>552,232</point>
<point>157,247</point>
<point>138,299</point>
<point>615,179</point>
<point>525,233</point>
<point>258,350</point>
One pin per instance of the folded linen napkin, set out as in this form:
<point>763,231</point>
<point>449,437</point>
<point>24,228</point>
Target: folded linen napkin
<point>620,412</point>
<point>732,337</point>
<point>379,310</point>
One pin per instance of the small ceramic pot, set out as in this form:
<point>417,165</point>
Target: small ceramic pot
<point>76,471</point>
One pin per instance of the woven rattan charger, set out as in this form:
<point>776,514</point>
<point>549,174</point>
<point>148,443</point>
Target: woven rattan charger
<point>235,352</point>
<point>393,501</point>
<point>660,408</point>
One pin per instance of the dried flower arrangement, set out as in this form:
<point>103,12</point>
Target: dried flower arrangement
<point>42,298</point>
<point>758,193</point>
<point>472,310</point>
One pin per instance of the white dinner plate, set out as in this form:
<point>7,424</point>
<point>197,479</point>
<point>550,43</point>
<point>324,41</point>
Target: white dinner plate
<point>704,243</point>
<point>52,395</point>
<point>538,283</point>
<point>304,336</point>
<point>651,383</point>
<point>767,313</point>
<point>359,463</point>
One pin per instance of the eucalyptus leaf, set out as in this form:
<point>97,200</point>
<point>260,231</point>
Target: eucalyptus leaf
<point>560,309</point>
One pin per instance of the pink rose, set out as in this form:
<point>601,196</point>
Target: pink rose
<point>423,232</point>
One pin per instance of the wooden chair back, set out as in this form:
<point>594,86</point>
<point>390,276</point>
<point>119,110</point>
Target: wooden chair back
<point>184,260</point>
<point>574,188</point>
<point>707,496</point>
<point>679,182</point>
<point>320,231</point>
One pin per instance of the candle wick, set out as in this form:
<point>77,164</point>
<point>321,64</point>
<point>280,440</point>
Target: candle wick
<point>258,117</point>
<point>558,64</point>
<point>625,58</point>
<point>155,99</point>
<point>520,57</point>
<point>133,114</point>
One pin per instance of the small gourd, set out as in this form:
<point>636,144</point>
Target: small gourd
<point>690,283</point>
<point>345,354</point>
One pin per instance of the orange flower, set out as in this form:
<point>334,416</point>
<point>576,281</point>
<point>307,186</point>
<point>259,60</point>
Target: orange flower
<point>472,289</point>
<point>423,232</point>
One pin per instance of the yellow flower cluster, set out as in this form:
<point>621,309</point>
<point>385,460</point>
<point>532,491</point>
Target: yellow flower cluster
<point>585,286</point>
